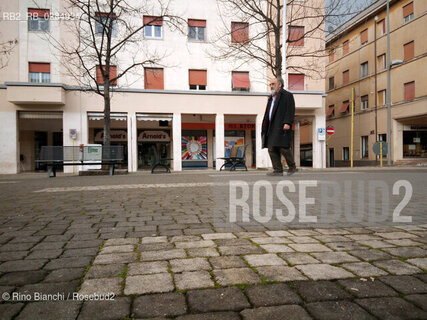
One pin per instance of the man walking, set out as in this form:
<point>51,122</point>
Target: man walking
<point>277,127</point>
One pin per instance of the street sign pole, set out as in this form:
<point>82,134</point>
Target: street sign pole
<point>381,154</point>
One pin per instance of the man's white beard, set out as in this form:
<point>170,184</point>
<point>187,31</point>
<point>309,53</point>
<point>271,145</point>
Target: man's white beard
<point>273,92</point>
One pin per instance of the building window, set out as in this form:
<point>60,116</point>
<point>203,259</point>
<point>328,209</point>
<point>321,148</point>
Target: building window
<point>408,12</point>
<point>415,142</point>
<point>346,76</point>
<point>240,81</point>
<point>364,37</point>
<point>196,30</point>
<point>102,22</point>
<point>344,107</point>
<point>408,51</point>
<point>381,97</point>
<point>296,36</point>
<point>381,27</point>
<point>382,137</point>
<point>381,62</point>
<point>153,27</point>
<point>409,89</point>
<point>345,47</point>
<point>364,102</point>
<point>240,32</point>
<point>197,79</point>
<point>113,75</point>
<point>331,111</point>
<point>331,83</point>
<point>38,19</point>
<point>295,81</point>
<point>153,78</point>
<point>39,72</point>
<point>331,55</point>
<point>364,69</point>
<point>345,153</point>
<point>365,150</point>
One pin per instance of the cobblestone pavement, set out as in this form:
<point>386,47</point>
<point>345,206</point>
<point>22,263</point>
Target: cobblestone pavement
<point>160,247</point>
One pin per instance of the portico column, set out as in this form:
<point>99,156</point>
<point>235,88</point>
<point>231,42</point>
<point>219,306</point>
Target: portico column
<point>73,120</point>
<point>132,143</point>
<point>319,147</point>
<point>297,142</point>
<point>262,157</point>
<point>219,140</point>
<point>176,132</point>
<point>9,145</point>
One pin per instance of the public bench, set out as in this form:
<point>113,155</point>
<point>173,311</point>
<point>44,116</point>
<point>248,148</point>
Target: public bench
<point>56,156</point>
<point>237,157</point>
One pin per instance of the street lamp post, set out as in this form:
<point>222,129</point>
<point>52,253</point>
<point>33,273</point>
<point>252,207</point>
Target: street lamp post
<point>388,87</point>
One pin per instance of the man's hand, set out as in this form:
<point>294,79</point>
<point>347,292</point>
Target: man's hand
<point>286,126</point>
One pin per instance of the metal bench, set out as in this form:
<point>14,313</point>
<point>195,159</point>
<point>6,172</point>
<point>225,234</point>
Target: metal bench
<point>237,158</point>
<point>55,156</point>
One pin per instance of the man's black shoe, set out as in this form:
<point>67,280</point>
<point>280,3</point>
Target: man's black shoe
<point>291,171</point>
<point>275,173</point>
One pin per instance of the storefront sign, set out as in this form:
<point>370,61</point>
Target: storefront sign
<point>152,136</point>
<point>115,135</point>
<point>239,126</point>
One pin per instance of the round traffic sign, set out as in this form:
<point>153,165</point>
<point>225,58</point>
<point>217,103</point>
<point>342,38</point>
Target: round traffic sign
<point>330,130</point>
<point>376,147</point>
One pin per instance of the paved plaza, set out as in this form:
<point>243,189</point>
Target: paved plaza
<point>142,246</point>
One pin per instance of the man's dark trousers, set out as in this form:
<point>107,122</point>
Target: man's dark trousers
<point>275,156</point>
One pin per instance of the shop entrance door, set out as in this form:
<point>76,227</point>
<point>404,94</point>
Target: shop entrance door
<point>40,139</point>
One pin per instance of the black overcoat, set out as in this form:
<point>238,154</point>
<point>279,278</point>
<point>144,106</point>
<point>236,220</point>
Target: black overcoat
<point>273,134</point>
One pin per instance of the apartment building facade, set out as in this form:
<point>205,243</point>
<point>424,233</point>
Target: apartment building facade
<point>358,60</point>
<point>190,107</point>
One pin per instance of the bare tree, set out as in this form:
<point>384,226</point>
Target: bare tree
<point>107,43</point>
<point>264,44</point>
<point>6,49</point>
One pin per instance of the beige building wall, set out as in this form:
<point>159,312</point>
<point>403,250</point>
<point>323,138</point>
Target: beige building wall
<point>413,69</point>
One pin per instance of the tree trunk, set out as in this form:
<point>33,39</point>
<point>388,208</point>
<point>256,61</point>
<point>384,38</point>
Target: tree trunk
<point>277,38</point>
<point>107,135</point>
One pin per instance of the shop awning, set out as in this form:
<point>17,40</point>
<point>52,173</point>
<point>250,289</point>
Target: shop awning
<point>40,115</point>
<point>330,110</point>
<point>113,116</point>
<point>154,117</point>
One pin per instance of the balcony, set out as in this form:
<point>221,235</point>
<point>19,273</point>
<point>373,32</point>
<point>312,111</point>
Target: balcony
<point>35,93</point>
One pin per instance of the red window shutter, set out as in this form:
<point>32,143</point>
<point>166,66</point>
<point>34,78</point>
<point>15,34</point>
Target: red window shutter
<point>408,51</point>
<point>239,32</point>
<point>197,77</point>
<point>408,9</point>
<point>240,79</point>
<point>330,110</point>
<point>39,67</point>
<point>39,13</point>
<point>296,36</point>
<point>364,36</point>
<point>381,25</point>
<point>410,90</point>
<point>196,23</point>
<point>346,77</point>
<point>153,21</point>
<point>153,78</point>
<point>344,107</point>
<point>295,81</point>
<point>105,14</point>
<point>345,47</point>
<point>100,78</point>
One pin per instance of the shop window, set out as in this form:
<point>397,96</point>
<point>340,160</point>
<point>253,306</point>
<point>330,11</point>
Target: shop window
<point>239,32</point>
<point>240,81</point>
<point>364,146</point>
<point>38,19</point>
<point>415,143</point>
<point>381,27</point>
<point>408,12</point>
<point>364,37</point>
<point>153,78</point>
<point>345,153</point>
<point>295,81</point>
<point>331,83</point>
<point>346,77</point>
<point>381,62</point>
<point>409,89</point>
<point>39,72</point>
<point>102,23</point>
<point>197,79</point>
<point>113,75</point>
<point>345,47</point>
<point>364,102</point>
<point>196,30</point>
<point>296,36</point>
<point>408,51</point>
<point>364,69</point>
<point>153,27</point>
<point>194,148</point>
<point>381,98</point>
